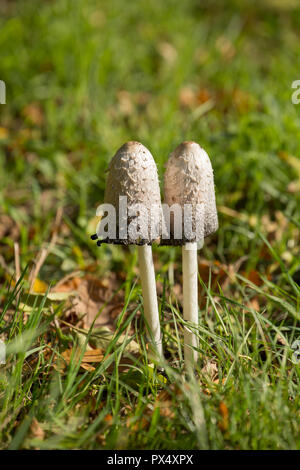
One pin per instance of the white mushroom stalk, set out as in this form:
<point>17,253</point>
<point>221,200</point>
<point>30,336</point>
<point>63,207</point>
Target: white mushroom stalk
<point>189,182</point>
<point>190,300</point>
<point>133,179</point>
<point>149,295</point>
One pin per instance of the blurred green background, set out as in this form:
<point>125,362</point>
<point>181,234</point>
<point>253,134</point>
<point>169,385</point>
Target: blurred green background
<point>84,76</point>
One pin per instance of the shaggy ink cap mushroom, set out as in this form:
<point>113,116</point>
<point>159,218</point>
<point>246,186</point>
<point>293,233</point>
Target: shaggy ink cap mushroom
<point>132,173</point>
<point>189,181</point>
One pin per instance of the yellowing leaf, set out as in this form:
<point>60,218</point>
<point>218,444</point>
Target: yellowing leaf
<point>40,287</point>
<point>3,133</point>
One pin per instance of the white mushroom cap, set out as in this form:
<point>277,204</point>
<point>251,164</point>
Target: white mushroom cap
<point>189,180</point>
<point>133,173</point>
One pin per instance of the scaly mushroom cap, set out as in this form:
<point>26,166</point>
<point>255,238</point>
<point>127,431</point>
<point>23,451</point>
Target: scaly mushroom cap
<point>133,173</point>
<point>189,180</point>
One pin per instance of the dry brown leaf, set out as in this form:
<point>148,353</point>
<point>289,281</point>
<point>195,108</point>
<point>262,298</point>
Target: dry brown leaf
<point>93,355</point>
<point>91,295</point>
<point>36,430</point>
<point>88,367</point>
<point>68,286</point>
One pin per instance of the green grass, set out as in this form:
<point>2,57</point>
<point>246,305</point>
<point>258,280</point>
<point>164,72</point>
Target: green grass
<point>82,78</point>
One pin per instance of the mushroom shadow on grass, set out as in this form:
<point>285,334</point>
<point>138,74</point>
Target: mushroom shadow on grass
<point>189,183</point>
<point>132,198</point>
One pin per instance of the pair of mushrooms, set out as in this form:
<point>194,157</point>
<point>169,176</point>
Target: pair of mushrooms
<point>188,183</point>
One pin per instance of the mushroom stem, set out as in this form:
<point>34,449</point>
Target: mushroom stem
<point>190,301</point>
<point>150,297</point>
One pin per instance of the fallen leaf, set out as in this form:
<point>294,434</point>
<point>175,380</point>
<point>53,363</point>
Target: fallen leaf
<point>36,430</point>
<point>93,355</point>
<point>68,285</point>
<point>92,295</point>
<point>223,424</point>
<point>88,367</point>
<point>95,295</point>
<point>39,287</point>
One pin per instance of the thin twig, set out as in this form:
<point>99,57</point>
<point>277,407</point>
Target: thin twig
<point>17,266</point>
<point>17,261</point>
<point>45,250</point>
